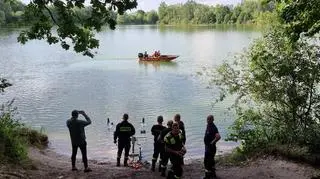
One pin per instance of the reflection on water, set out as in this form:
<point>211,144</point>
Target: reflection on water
<point>193,28</point>
<point>158,65</point>
<point>4,32</point>
<point>215,27</point>
<point>49,82</point>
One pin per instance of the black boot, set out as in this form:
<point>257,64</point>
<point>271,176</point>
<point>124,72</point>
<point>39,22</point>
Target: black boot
<point>159,167</point>
<point>170,174</point>
<point>163,171</point>
<point>125,162</point>
<point>118,162</point>
<point>153,166</point>
<point>208,175</point>
<point>214,176</point>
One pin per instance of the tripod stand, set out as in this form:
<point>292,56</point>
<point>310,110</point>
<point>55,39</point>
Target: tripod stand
<point>136,163</point>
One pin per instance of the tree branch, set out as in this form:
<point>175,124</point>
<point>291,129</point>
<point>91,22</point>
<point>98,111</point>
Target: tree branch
<point>51,15</point>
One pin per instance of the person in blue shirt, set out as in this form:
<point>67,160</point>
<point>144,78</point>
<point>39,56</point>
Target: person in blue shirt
<point>211,137</point>
<point>78,138</point>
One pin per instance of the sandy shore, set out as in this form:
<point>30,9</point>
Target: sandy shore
<point>48,164</point>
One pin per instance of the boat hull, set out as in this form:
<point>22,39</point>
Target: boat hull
<point>162,58</point>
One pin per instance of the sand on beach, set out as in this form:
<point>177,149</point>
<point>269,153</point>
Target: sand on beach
<point>48,164</point>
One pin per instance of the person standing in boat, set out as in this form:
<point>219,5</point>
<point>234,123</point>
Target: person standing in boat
<point>78,138</point>
<point>158,146</point>
<point>211,137</point>
<point>124,131</point>
<point>146,54</point>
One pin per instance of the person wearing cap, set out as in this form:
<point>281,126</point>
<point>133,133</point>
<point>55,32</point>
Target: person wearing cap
<point>158,146</point>
<point>124,130</point>
<point>78,138</point>
<point>211,137</point>
<point>164,158</point>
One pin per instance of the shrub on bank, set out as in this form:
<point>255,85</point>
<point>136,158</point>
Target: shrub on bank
<point>276,84</point>
<point>15,137</point>
<point>33,137</point>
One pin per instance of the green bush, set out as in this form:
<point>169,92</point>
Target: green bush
<point>278,99</point>
<point>33,137</point>
<point>13,148</point>
<point>15,137</point>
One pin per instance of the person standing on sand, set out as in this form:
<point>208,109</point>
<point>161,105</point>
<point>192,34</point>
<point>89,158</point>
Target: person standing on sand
<point>174,146</point>
<point>78,138</point>
<point>211,137</point>
<point>164,158</point>
<point>177,119</point>
<point>158,147</point>
<point>124,131</point>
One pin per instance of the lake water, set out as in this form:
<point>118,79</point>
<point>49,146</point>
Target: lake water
<point>49,82</point>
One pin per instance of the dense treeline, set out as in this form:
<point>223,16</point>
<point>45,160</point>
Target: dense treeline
<point>194,13</point>
<point>248,12</point>
<point>11,12</point>
<point>139,17</point>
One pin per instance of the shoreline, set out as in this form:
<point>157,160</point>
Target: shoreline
<point>102,155</point>
<point>48,164</point>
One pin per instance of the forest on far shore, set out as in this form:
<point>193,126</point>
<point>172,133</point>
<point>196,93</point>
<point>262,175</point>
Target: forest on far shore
<point>190,13</point>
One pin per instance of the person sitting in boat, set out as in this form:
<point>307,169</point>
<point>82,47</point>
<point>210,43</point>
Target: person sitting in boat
<point>156,53</point>
<point>145,54</point>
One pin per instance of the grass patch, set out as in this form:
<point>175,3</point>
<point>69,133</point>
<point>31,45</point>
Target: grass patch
<point>293,152</point>
<point>235,158</point>
<point>290,152</point>
<point>33,137</point>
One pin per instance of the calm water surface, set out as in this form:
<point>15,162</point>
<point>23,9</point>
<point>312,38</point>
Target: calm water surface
<point>50,82</point>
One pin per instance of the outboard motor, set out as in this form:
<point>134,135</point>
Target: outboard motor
<point>140,55</point>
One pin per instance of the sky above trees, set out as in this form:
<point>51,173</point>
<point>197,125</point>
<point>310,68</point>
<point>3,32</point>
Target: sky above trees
<point>148,5</point>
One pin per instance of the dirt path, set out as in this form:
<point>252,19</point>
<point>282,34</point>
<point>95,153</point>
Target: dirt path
<point>47,164</point>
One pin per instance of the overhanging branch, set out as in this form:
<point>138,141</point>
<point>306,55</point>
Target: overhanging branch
<point>51,15</point>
